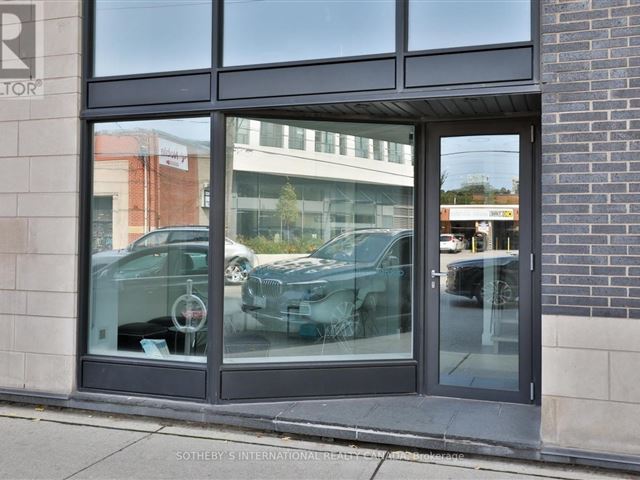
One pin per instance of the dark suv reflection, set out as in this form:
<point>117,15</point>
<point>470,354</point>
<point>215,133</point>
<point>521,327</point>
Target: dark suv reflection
<point>352,278</point>
<point>491,280</point>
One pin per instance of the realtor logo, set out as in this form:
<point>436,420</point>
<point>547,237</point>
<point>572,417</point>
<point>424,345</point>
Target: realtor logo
<point>17,41</point>
<point>21,50</point>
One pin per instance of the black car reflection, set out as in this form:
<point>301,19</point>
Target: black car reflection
<point>490,280</point>
<point>135,296</point>
<point>348,281</point>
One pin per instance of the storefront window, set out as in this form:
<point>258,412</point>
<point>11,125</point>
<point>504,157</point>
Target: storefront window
<point>274,31</point>
<point>149,273</point>
<point>462,23</point>
<point>322,256</point>
<point>146,36</point>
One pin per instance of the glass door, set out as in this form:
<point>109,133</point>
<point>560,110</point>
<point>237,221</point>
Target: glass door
<point>480,264</point>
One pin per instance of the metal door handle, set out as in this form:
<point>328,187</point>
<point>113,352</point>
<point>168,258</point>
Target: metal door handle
<point>435,274</point>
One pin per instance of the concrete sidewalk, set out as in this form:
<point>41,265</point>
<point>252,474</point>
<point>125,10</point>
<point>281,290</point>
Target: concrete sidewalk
<point>48,443</point>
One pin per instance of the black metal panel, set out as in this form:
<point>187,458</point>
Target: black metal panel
<point>166,381</point>
<point>402,111</point>
<point>469,67</point>
<point>536,281</point>
<point>420,280</point>
<point>149,91</point>
<point>318,382</point>
<point>217,228</point>
<point>333,77</point>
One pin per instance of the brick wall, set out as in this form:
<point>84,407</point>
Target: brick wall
<point>591,225</point>
<point>591,157</point>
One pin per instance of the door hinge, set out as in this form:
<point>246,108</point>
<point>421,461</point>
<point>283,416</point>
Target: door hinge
<point>533,133</point>
<point>532,391</point>
<point>532,264</point>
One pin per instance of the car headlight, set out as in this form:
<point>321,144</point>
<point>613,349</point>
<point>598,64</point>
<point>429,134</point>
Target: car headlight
<point>311,291</point>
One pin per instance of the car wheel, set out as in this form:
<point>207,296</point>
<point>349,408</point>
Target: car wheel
<point>237,271</point>
<point>497,293</point>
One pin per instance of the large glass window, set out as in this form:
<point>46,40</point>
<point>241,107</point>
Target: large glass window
<point>144,36</point>
<point>149,271</point>
<point>275,31</point>
<point>463,23</point>
<point>319,252</point>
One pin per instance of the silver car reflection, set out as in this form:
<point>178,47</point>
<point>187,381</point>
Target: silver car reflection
<point>239,259</point>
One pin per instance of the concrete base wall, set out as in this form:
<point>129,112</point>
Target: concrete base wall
<point>591,383</point>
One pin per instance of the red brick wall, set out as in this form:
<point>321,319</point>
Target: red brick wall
<point>173,194</point>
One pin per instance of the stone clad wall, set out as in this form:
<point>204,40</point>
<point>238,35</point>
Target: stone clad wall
<point>39,147</point>
<point>591,224</point>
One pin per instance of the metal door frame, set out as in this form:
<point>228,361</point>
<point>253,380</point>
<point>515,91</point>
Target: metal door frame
<point>528,330</point>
